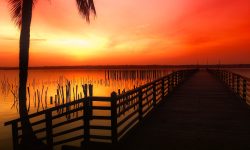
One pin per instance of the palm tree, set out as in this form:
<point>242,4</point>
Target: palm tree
<point>21,11</point>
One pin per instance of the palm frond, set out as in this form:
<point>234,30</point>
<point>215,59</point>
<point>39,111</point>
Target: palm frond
<point>86,8</point>
<point>16,10</point>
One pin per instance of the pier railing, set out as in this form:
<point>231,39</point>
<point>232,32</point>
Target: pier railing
<point>88,120</point>
<point>72,118</point>
<point>238,84</point>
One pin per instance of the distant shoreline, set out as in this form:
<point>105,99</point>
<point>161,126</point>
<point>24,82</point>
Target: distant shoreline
<point>132,67</point>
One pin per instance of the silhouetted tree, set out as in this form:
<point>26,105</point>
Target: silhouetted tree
<point>21,11</point>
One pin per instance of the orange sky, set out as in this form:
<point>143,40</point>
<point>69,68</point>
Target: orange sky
<point>132,32</point>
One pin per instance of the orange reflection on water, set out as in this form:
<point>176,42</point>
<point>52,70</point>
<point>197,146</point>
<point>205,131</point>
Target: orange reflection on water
<point>47,88</point>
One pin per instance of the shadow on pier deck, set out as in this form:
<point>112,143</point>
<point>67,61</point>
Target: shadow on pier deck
<point>201,115</point>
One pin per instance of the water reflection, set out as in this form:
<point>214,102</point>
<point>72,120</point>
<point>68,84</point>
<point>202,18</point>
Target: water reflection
<point>48,88</point>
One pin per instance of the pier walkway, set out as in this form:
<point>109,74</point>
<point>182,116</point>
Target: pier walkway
<point>201,115</point>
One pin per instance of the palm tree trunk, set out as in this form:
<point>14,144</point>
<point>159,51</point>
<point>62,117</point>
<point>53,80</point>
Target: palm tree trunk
<point>28,136</point>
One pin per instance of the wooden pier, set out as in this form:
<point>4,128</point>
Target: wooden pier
<point>201,113</point>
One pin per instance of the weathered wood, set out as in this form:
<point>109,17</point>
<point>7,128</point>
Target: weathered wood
<point>127,109</point>
<point>68,131</point>
<point>244,89</point>
<point>129,125</point>
<point>66,122</point>
<point>68,140</point>
<point>162,89</point>
<point>238,83</point>
<point>49,131</point>
<point>140,105</point>
<point>114,117</point>
<point>127,118</point>
<point>154,95</point>
<point>15,135</point>
<point>104,99</point>
<point>86,120</point>
<point>201,114</point>
<point>90,99</point>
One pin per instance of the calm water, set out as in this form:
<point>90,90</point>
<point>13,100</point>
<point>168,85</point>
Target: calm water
<point>44,84</point>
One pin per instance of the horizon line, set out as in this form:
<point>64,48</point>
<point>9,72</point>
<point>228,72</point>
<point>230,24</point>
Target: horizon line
<point>125,66</point>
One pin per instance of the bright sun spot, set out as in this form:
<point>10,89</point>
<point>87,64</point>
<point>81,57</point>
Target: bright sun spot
<point>81,46</point>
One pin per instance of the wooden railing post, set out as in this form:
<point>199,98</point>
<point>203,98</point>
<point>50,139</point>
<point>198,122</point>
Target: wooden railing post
<point>169,86</point>
<point>233,80</point>
<point>177,78</point>
<point>238,85</point>
<point>172,81</point>
<point>49,131</point>
<point>221,72</point>
<point>162,89</point>
<point>114,117</point>
<point>90,100</point>
<point>244,89</point>
<point>86,118</point>
<point>154,94</point>
<point>14,135</point>
<point>225,77</point>
<point>230,80</point>
<point>140,105</point>
<point>180,77</point>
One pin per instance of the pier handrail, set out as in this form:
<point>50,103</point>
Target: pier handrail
<point>126,110</point>
<point>133,106</point>
<point>237,83</point>
<point>74,111</point>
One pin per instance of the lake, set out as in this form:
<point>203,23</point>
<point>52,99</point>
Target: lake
<point>43,87</point>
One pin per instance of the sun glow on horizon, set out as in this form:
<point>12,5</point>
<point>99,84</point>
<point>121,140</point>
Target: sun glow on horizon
<point>157,32</point>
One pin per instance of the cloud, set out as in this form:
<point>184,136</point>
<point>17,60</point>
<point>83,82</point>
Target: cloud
<point>17,39</point>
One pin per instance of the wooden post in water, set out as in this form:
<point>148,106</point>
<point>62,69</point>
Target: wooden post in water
<point>15,135</point>
<point>85,90</point>
<point>51,99</point>
<point>49,132</point>
<point>114,117</point>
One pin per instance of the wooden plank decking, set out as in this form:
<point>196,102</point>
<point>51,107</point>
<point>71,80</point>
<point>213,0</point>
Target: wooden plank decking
<point>201,115</point>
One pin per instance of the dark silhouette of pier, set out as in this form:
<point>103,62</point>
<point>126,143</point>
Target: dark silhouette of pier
<point>188,109</point>
<point>202,114</point>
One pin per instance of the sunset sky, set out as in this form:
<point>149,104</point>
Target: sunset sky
<point>132,32</point>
